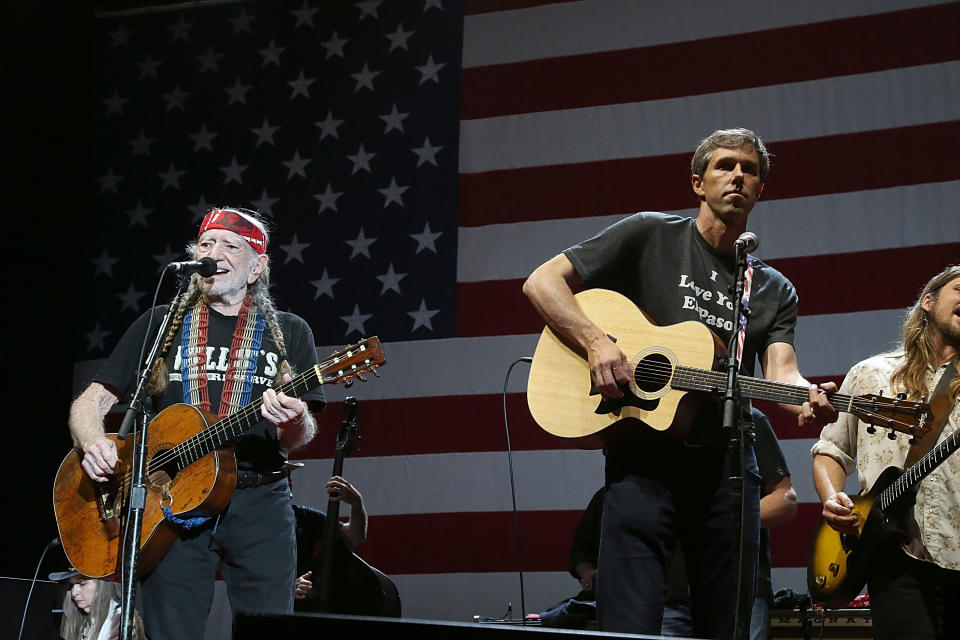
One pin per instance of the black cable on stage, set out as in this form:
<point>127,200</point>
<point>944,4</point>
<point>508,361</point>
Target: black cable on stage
<point>50,545</point>
<point>513,490</point>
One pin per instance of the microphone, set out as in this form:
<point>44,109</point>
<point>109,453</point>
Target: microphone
<point>747,242</point>
<point>205,267</point>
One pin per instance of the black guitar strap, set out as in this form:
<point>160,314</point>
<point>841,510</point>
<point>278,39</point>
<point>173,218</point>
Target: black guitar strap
<point>941,404</point>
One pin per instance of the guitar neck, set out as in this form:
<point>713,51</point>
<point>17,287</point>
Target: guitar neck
<point>912,476</point>
<point>223,432</point>
<point>691,379</point>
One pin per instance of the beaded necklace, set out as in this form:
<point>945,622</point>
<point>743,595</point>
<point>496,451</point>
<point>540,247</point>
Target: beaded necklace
<point>244,353</point>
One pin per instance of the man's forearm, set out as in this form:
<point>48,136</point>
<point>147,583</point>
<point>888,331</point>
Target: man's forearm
<point>829,477</point>
<point>87,413</point>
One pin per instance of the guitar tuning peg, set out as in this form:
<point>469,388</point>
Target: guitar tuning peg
<point>871,429</point>
<point>901,396</point>
<point>376,373</point>
<point>923,399</point>
<point>348,384</point>
<point>912,441</point>
<point>892,435</point>
<point>880,393</point>
<point>362,379</point>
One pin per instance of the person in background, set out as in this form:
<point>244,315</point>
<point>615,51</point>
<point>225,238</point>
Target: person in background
<point>91,609</point>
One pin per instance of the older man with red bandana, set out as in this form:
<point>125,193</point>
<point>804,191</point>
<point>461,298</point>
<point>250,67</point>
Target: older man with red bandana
<point>226,346</point>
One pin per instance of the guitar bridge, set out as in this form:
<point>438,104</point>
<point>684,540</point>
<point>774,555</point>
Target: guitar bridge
<point>111,504</point>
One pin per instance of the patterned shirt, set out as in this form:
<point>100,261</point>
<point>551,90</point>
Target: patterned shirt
<point>937,510</point>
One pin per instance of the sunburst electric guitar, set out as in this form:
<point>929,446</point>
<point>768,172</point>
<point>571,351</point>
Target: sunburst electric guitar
<point>672,370</point>
<point>189,469</point>
<point>837,563</point>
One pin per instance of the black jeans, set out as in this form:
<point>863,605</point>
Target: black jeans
<point>252,546</point>
<point>911,599</point>
<point>676,493</point>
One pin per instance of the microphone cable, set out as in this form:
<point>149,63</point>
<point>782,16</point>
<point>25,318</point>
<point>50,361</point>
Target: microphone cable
<point>50,545</point>
<point>513,490</point>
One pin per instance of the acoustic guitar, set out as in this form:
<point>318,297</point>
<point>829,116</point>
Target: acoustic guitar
<point>672,370</point>
<point>838,562</point>
<point>190,470</point>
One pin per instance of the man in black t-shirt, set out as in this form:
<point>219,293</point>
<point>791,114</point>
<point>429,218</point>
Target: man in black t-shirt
<point>226,347</point>
<point>659,491</point>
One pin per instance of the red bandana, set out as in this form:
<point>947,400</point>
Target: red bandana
<point>241,224</point>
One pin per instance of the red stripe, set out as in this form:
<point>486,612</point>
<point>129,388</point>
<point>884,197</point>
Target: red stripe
<point>849,282</point>
<point>808,167</point>
<point>832,283</point>
<point>485,542</point>
<point>474,542</point>
<point>790,541</point>
<point>439,424</point>
<point>473,7</point>
<point>778,56</point>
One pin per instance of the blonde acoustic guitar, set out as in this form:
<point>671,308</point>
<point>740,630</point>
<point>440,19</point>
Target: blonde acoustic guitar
<point>672,370</point>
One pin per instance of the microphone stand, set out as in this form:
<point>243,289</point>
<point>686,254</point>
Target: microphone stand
<point>733,426</point>
<point>139,412</point>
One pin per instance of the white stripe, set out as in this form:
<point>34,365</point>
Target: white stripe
<point>826,345</point>
<point>461,596</point>
<point>561,479</point>
<point>835,223</point>
<point>830,344</point>
<point>546,480</point>
<point>798,110</point>
<point>606,25</point>
<point>800,463</point>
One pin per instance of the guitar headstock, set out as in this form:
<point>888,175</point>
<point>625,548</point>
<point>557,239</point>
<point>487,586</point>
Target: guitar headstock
<point>911,418</point>
<point>352,362</point>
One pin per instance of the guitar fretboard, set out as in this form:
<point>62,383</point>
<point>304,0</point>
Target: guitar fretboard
<point>225,431</point>
<point>912,476</point>
<point>691,379</point>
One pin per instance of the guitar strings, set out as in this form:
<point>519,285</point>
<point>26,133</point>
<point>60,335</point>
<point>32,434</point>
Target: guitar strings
<point>662,373</point>
<point>228,424</point>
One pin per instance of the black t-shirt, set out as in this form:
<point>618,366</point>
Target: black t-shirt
<point>258,449</point>
<point>664,265</point>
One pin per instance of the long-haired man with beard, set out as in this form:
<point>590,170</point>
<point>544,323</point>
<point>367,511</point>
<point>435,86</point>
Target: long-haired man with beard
<point>914,588</point>
<point>226,346</point>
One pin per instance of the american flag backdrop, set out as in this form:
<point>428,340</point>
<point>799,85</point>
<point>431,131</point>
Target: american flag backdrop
<point>420,158</point>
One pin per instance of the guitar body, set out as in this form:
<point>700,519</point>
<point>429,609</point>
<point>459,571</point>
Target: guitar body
<point>560,391</point>
<point>90,515</point>
<point>838,563</point>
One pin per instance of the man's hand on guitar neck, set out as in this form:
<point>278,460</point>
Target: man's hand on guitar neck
<point>99,459</point>
<point>818,412</point>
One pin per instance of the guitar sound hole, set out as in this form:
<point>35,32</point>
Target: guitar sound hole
<point>653,372</point>
<point>162,467</point>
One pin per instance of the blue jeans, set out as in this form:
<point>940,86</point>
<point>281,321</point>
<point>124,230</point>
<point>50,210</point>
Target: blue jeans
<point>678,493</point>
